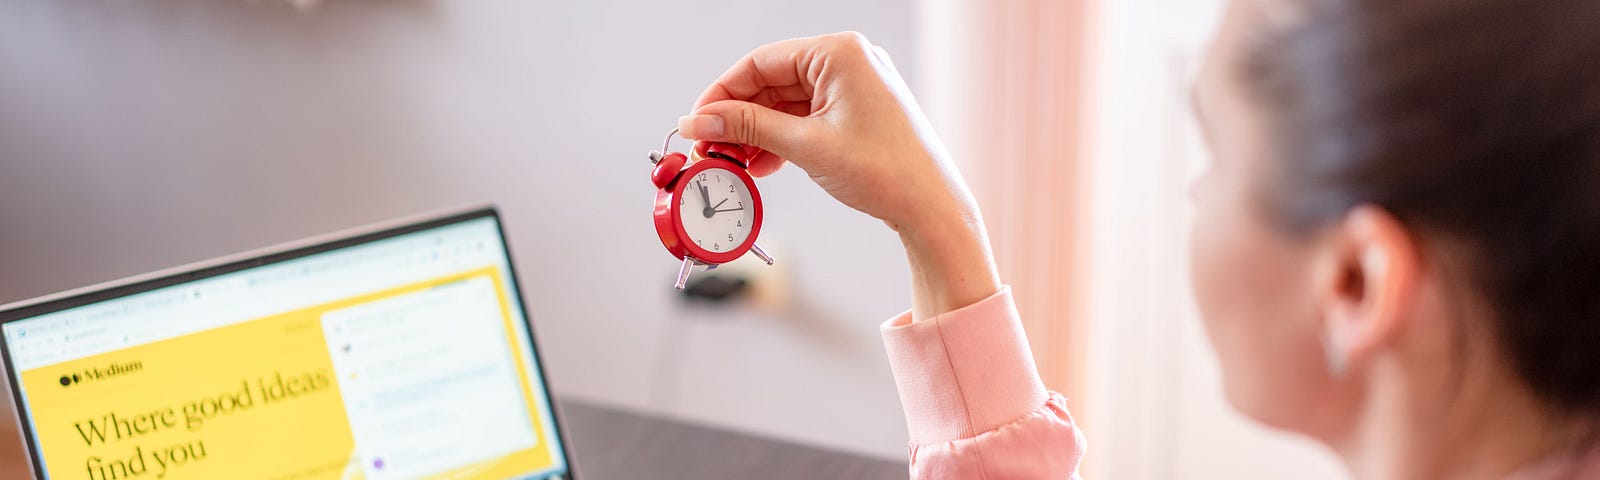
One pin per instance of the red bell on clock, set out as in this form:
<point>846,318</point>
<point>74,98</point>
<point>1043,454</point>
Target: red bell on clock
<point>707,211</point>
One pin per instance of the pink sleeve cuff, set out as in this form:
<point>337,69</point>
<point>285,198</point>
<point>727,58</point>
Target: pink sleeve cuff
<point>965,372</point>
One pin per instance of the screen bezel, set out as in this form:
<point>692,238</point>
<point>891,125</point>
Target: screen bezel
<point>271,255</point>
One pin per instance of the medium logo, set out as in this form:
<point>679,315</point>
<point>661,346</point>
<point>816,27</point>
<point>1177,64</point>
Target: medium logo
<point>112,370</point>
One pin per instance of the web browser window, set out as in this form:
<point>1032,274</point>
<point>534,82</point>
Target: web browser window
<point>406,356</point>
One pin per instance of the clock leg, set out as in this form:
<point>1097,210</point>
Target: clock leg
<point>683,273</point>
<point>761,253</point>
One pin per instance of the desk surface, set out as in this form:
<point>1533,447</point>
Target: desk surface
<point>613,444</point>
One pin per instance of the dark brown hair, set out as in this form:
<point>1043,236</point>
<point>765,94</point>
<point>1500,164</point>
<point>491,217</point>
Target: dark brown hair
<point>1473,120</point>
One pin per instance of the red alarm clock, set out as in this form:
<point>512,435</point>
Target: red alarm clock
<point>707,212</point>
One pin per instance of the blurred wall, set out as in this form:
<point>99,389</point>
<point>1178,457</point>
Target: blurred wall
<point>141,135</point>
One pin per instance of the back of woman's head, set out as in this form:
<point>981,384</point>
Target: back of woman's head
<point>1477,124</point>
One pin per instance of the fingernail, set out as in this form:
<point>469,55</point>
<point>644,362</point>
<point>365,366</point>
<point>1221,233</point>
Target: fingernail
<point>701,127</point>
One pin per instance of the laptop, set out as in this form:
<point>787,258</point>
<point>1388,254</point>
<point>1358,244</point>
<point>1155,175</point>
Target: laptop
<point>396,351</point>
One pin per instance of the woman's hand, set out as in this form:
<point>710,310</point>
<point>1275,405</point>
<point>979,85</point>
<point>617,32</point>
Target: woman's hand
<point>835,107</point>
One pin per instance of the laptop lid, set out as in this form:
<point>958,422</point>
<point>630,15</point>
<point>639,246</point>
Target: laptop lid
<point>393,352</point>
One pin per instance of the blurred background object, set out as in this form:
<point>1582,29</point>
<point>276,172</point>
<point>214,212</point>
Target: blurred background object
<point>140,135</point>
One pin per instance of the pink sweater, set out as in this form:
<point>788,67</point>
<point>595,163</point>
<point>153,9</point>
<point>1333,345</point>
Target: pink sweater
<point>976,408</point>
<point>973,399</point>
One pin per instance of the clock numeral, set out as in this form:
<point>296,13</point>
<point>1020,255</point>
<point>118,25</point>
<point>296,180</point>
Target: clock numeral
<point>739,223</point>
<point>716,246</point>
<point>702,176</point>
<point>701,243</point>
<point>730,237</point>
<point>741,204</point>
<point>731,189</point>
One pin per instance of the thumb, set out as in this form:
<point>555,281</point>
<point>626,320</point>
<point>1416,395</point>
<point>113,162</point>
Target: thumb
<point>747,123</point>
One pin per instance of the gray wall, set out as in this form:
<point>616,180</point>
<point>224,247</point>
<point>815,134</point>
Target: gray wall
<point>141,135</point>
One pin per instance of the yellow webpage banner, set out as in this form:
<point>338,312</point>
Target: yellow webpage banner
<point>422,381</point>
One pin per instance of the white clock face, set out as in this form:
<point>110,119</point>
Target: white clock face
<point>716,210</point>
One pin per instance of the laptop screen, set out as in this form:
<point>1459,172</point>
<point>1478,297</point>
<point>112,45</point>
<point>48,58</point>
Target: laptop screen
<point>398,354</point>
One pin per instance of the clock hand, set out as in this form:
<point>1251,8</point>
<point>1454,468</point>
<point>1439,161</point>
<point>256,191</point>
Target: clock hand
<point>705,197</point>
<point>728,210</point>
<point>719,204</point>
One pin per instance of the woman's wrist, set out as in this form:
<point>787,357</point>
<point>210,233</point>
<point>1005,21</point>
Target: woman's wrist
<point>951,264</point>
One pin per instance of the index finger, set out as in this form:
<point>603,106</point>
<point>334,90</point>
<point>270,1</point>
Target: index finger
<point>775,65</point>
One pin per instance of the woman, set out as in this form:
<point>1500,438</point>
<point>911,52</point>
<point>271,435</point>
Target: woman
<point>1396,251</point>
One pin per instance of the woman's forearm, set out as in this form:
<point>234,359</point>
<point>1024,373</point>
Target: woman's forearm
<point>951,264</point>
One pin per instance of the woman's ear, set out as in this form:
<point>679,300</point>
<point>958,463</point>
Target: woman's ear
<point>1366,278</point>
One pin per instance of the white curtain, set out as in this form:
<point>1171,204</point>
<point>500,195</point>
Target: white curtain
<point>1003,84</point>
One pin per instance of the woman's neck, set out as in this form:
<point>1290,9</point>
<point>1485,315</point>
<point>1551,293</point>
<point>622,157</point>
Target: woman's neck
<point>1420,423</point>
